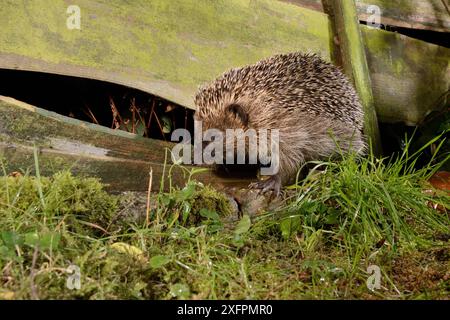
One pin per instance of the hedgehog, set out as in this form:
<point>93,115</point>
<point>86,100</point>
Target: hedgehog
<point>311,103</point>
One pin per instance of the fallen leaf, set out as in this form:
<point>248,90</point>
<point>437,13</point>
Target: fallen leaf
<point>7,295</point>
<point>158,261</point>
<point>129,250</point>
<point>15,174</point>
<point>441,180</point>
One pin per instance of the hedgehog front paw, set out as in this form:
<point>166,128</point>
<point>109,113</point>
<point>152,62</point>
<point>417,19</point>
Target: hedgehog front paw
<point>272,184</point>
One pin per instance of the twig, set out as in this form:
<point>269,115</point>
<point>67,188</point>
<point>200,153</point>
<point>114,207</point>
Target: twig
<point>160,126</point>
<point>34,294</point>
<point>152,110</point>
<point>116,114</point>
<point>38,176</point>
<point>133,118</point>
<point>174,124</point>
<point>140,118</point>
<point>147,215</point>
<point>90,114</point>
<point>93,225</point>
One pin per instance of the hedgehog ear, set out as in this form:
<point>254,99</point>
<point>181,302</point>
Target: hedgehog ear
<point>237,111</point>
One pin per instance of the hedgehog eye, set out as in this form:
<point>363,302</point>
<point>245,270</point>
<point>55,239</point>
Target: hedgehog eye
<point>238,112</point>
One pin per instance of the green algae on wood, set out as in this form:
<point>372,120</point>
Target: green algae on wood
<point>409,77</point>
<point>120,159</point>
<point>355,65</point>
<point>167,48</point>
<point>417,14</point>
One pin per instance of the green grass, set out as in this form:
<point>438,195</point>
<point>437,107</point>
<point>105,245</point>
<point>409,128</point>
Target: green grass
<point>317,245</point>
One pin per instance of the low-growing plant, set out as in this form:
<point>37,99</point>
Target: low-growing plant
<point>331,227</point>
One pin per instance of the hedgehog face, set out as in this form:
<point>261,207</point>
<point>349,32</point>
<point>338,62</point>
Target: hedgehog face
<point>232,117</point>
<point>237,116</point>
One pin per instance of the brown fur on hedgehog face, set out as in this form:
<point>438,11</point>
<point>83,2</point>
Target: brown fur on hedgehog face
<point>233,116</point>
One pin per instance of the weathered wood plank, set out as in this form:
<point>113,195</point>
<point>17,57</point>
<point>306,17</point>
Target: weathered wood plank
<point>414,14</point>
<point>310,4</point>
<point>409,76</point>
<point>163,47</point>
<point>355,65</point>
<point>169,48</point>
<point>120,159</point>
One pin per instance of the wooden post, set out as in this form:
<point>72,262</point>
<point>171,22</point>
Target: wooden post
<point>355,64</point>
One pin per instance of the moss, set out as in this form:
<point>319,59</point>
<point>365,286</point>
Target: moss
<point>74,198</point>
<point>212,200</point>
